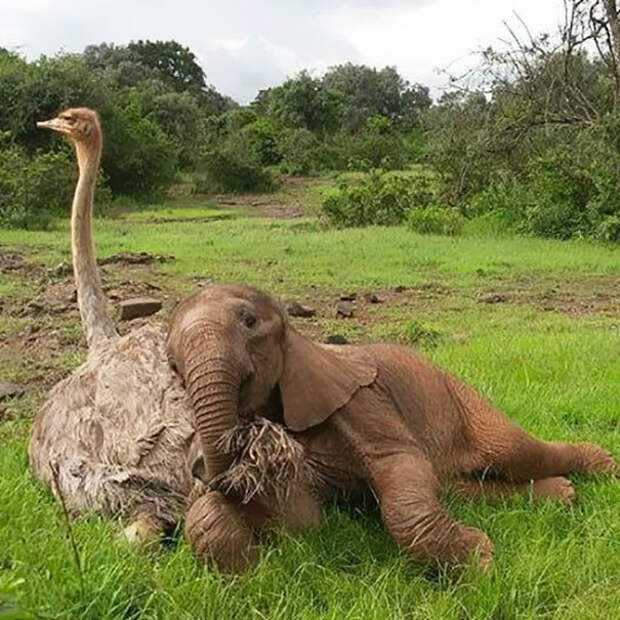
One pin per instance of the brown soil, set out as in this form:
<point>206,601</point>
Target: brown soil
<point>578,296</point>
<point>12,262</point>
<point>284,204</point>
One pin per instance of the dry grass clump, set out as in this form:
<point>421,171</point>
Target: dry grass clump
<point>268,461</point>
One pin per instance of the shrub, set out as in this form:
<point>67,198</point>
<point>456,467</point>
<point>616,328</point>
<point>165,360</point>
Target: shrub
<point>571,190</point>
<point>382,198</point>
<point>376,146</point>
<point>260,136</point>
<point>223,170</point>
<point>609,229</point>
<point>301,151</point>
<point>435,221</point>
<point>35,190</point>
<point>138,157</point>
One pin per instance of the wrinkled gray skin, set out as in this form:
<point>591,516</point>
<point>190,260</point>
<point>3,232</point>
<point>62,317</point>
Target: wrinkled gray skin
<point>379,417</point>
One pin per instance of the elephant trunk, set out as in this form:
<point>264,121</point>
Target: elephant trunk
<point>213,384</point>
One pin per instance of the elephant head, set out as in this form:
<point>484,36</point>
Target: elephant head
<point>236,352</point>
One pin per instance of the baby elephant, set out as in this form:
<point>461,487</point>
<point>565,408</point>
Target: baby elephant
<point>378,416</point>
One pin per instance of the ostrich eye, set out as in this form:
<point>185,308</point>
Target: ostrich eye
<point>249,320</point>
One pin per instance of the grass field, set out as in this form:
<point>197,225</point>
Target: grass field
<point>533,324</point>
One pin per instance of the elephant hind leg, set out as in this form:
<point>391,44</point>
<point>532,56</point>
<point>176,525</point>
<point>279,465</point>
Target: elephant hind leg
<point>407,489</point>
<point>555,487</point>
<point>514,455</point>
<point>497,443</point>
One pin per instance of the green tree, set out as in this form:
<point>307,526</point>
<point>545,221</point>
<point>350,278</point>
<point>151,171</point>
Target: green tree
<point>368,92</point>
<point>175,64</point>
<point>301,102</point>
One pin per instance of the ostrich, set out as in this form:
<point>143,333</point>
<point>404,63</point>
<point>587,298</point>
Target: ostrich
<point>117,436</point>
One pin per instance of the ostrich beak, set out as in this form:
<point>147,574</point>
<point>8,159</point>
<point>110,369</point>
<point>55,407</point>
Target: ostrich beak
<point>55,124</point>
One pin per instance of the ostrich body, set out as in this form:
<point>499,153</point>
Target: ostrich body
<point>117,436</point>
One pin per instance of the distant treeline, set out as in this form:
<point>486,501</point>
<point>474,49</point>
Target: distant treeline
<point>529,141</point>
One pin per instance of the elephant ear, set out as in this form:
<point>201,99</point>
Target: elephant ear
<point>317,380</point>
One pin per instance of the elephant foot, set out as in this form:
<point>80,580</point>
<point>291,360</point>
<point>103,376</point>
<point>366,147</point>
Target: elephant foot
<point>218,533</point>
<point>144,529</point>
<point>476,545</point>
<point>555,487</point>
<point>596,460</point>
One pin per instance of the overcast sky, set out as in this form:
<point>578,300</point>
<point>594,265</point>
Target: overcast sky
<point>246,45</point>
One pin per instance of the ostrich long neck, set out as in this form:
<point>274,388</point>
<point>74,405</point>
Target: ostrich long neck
<point>91,299</point>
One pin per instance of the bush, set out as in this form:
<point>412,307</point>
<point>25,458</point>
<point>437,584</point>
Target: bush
<point>609,229</point>
<point>435,221</point>
<point>571,190</point>
<point>223,170</point>
<point>301,152</point>
<point>33,191</point>
<point>378,145</point>
<point>234,160</point>
<point>260,136</point>
<point>138,157</point>
<point>381,198</point>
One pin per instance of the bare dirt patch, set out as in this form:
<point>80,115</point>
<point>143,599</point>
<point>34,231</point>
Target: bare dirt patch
<point>135,258</point>
<point>576,295</point>
<point>12,262</point>
<point>287,203</point>
<point>368,309</point>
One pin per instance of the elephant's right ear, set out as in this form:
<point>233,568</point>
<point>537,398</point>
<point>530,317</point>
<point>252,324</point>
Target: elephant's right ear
<point>317,380</point>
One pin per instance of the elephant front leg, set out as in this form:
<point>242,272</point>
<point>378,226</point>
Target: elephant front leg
<point>407,488</point>
<point>218,532</point>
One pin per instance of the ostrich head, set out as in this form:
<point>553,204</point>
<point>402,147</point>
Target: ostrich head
<point>80,125</point>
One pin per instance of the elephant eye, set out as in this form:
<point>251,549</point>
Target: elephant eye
<point>249,320</point>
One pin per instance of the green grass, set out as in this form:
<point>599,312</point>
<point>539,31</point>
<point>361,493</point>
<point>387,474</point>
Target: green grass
<point>554,371</point>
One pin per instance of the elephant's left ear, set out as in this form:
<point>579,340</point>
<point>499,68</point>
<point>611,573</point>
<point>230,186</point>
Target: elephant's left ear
<point>317,380</point>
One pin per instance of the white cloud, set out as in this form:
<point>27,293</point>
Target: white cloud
<point>245,45</point>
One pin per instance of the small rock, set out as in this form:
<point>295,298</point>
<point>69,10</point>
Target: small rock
<point>61,270</point>
<point>336,339</point>
<point>138,307</point>
<point>348,297</point>
<point>296,309</point>
<point>492,298</point>
<point>344,309</point>
<point>371,298</point>
<point>400,288</point>
<point>9,390</point>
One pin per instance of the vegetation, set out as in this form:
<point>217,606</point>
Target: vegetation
<point>531,137</point>
<point>380,198</point>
